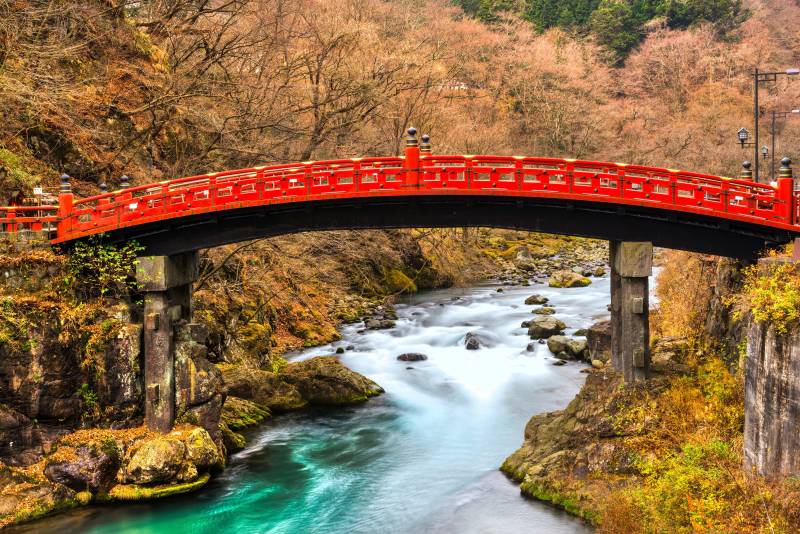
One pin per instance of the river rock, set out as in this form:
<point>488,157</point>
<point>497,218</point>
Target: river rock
<point>536,299</point>
<point>379,324</point>
<point>91,467</point>
<point>156,460</point>
<point>472,341</point>
<point>201,449</point>
<point>598,339</point>
<point>412,357</point>
<point>525,324</point>
<point>544,326</point>
<point>568,279</point>
<point>263,387</point>
<point>577,348</point>
<point>324,380</point>
<point>544,310</point>
<point>599,272</point>
<point>557,344</point>
<point>581,332</point>
<point>531,347</point>
<point>560,362</point>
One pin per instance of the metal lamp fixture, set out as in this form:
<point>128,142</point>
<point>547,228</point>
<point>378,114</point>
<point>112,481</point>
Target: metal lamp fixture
<point>743,135</point>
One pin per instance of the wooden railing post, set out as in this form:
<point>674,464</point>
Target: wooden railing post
<point>65,199</point>
<point>411,163</point>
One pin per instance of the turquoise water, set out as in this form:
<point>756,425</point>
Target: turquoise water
<point>421,458</point>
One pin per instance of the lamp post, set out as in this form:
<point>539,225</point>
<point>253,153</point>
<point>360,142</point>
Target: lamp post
<point>782,115</point>
<point>759,77</point>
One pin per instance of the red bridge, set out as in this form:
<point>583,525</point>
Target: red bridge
<point>670,208</point>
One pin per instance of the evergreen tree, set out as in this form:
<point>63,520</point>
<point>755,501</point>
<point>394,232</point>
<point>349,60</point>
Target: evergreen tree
<point>616,27</point>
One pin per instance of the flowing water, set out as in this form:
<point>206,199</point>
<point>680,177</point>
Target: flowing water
<point>421,458</point>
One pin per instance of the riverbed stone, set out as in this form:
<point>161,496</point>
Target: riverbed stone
<point>536,299</point>
<point>577,348</point>
<point>545,310</point>
<point>557,343</point>
<point>562,279</point>
<point>472,341</point>
<point>412,357</point>
<point>545,326</point>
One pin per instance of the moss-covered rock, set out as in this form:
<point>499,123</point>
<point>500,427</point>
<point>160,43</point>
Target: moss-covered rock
<point>241,413</point>
<point>233,441</point>
<point>568,279</point>
<point>135,492</point>
<point>326,381</point>
<point>265,388</point>
<point>156,460</point>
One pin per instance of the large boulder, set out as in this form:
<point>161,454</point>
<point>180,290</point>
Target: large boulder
<point>201,449</point>
<point>545,326</point>
<point>568,279</point>
<point>91,467</point>
<point>156,460</point>
<point>598,339</point>
<point>324,380</point>
<point>265,388</point>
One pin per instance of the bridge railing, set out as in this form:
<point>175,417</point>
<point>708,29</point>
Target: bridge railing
<point>36,218</point>
<point>416,174</point>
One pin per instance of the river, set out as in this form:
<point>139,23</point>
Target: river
<point>421,458</point>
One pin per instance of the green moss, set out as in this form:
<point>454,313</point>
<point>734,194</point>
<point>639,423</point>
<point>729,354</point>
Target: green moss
<point>398,282</point>
<point>40,509</point>
<point>135,492</point>
<point>240,413</point>
<point>567,502</point>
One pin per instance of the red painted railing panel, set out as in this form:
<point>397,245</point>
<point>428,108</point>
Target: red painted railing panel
<point>590,181</point>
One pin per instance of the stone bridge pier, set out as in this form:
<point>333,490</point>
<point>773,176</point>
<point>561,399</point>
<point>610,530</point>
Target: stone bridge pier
<point>772,396</point>
<point>631,265</point>
<point>167,285</point>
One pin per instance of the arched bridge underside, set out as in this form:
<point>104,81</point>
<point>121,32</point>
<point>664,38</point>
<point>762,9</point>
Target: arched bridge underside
<point>670,208</point>
<point>691,232</point>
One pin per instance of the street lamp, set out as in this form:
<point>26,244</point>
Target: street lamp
<point>765,151</point>
<point>759,77</point>
<point>743,135</point>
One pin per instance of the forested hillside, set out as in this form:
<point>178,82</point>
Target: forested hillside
<point>619,25</point>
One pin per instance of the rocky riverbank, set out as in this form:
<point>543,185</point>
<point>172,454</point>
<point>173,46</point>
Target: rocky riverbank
<point>665,455</point>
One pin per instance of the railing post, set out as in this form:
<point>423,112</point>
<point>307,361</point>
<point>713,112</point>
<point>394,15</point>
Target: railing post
<point>411,163</point>
<point>65,199</point>
<point>425,150</point>
<point>11,226</point>
<point>786,190</point>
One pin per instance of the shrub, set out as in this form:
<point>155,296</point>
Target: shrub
<point>772,294</point>
<point>97,269</point>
